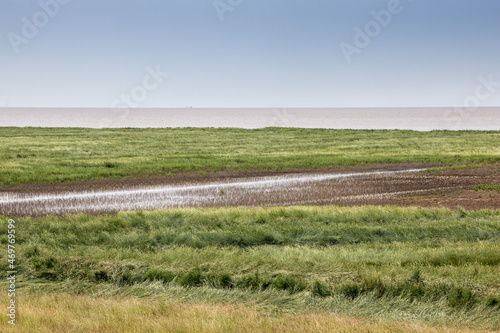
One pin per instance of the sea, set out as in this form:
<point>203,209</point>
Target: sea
<point>418,119</point>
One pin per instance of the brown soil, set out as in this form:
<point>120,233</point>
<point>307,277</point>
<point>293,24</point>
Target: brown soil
<point>443,188</point>
<point>448,188</point>
<point>192,178</point>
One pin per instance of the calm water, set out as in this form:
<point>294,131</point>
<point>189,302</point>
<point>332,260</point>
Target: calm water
<point>422,119</point>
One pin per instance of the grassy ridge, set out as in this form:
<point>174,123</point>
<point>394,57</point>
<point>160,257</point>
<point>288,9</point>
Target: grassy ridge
<point>423,265</point>
<point>41,155</point>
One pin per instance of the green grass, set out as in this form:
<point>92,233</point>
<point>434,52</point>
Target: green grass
<point>43,155</point>
<point>433,266</point>
<point>482,187</point>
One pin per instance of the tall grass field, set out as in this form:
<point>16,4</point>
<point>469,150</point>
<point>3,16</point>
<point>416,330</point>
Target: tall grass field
<point>307,269</point>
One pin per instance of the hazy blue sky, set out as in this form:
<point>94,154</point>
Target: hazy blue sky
<point>249,53</point>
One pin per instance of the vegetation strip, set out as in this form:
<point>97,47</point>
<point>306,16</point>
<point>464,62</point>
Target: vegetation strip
<point>71,313</point>
<point>47,155</point>
<point>434,265</point>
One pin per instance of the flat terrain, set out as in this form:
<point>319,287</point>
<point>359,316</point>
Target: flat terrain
<point>481,118</point>
<point>55,155</point>
<point>357,238</point>
<point>390,184</point>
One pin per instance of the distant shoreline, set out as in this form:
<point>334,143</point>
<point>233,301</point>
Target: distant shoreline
<point>414,118</point>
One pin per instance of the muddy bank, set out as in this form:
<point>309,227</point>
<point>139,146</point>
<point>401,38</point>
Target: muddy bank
<point>394,184</point>
<point>194,178</point>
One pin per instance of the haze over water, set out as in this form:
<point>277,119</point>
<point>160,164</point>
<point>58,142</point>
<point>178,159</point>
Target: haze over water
<point>421,119</point>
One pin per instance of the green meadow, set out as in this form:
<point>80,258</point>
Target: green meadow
<point>46,155</point>
<point>280,269</point>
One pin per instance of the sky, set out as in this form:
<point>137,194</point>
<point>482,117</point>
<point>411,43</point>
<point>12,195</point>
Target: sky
<point>249,53</point>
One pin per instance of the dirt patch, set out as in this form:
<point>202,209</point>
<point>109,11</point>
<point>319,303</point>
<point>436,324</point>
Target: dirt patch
<point>363,185</point>
<point>449,188</point>
<point>193,178</point>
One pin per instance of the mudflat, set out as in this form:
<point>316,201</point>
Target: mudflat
<point>402,184</point>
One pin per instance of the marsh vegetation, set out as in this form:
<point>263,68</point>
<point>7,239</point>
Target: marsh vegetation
<point>52,155</point>
<point>433,266</point>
